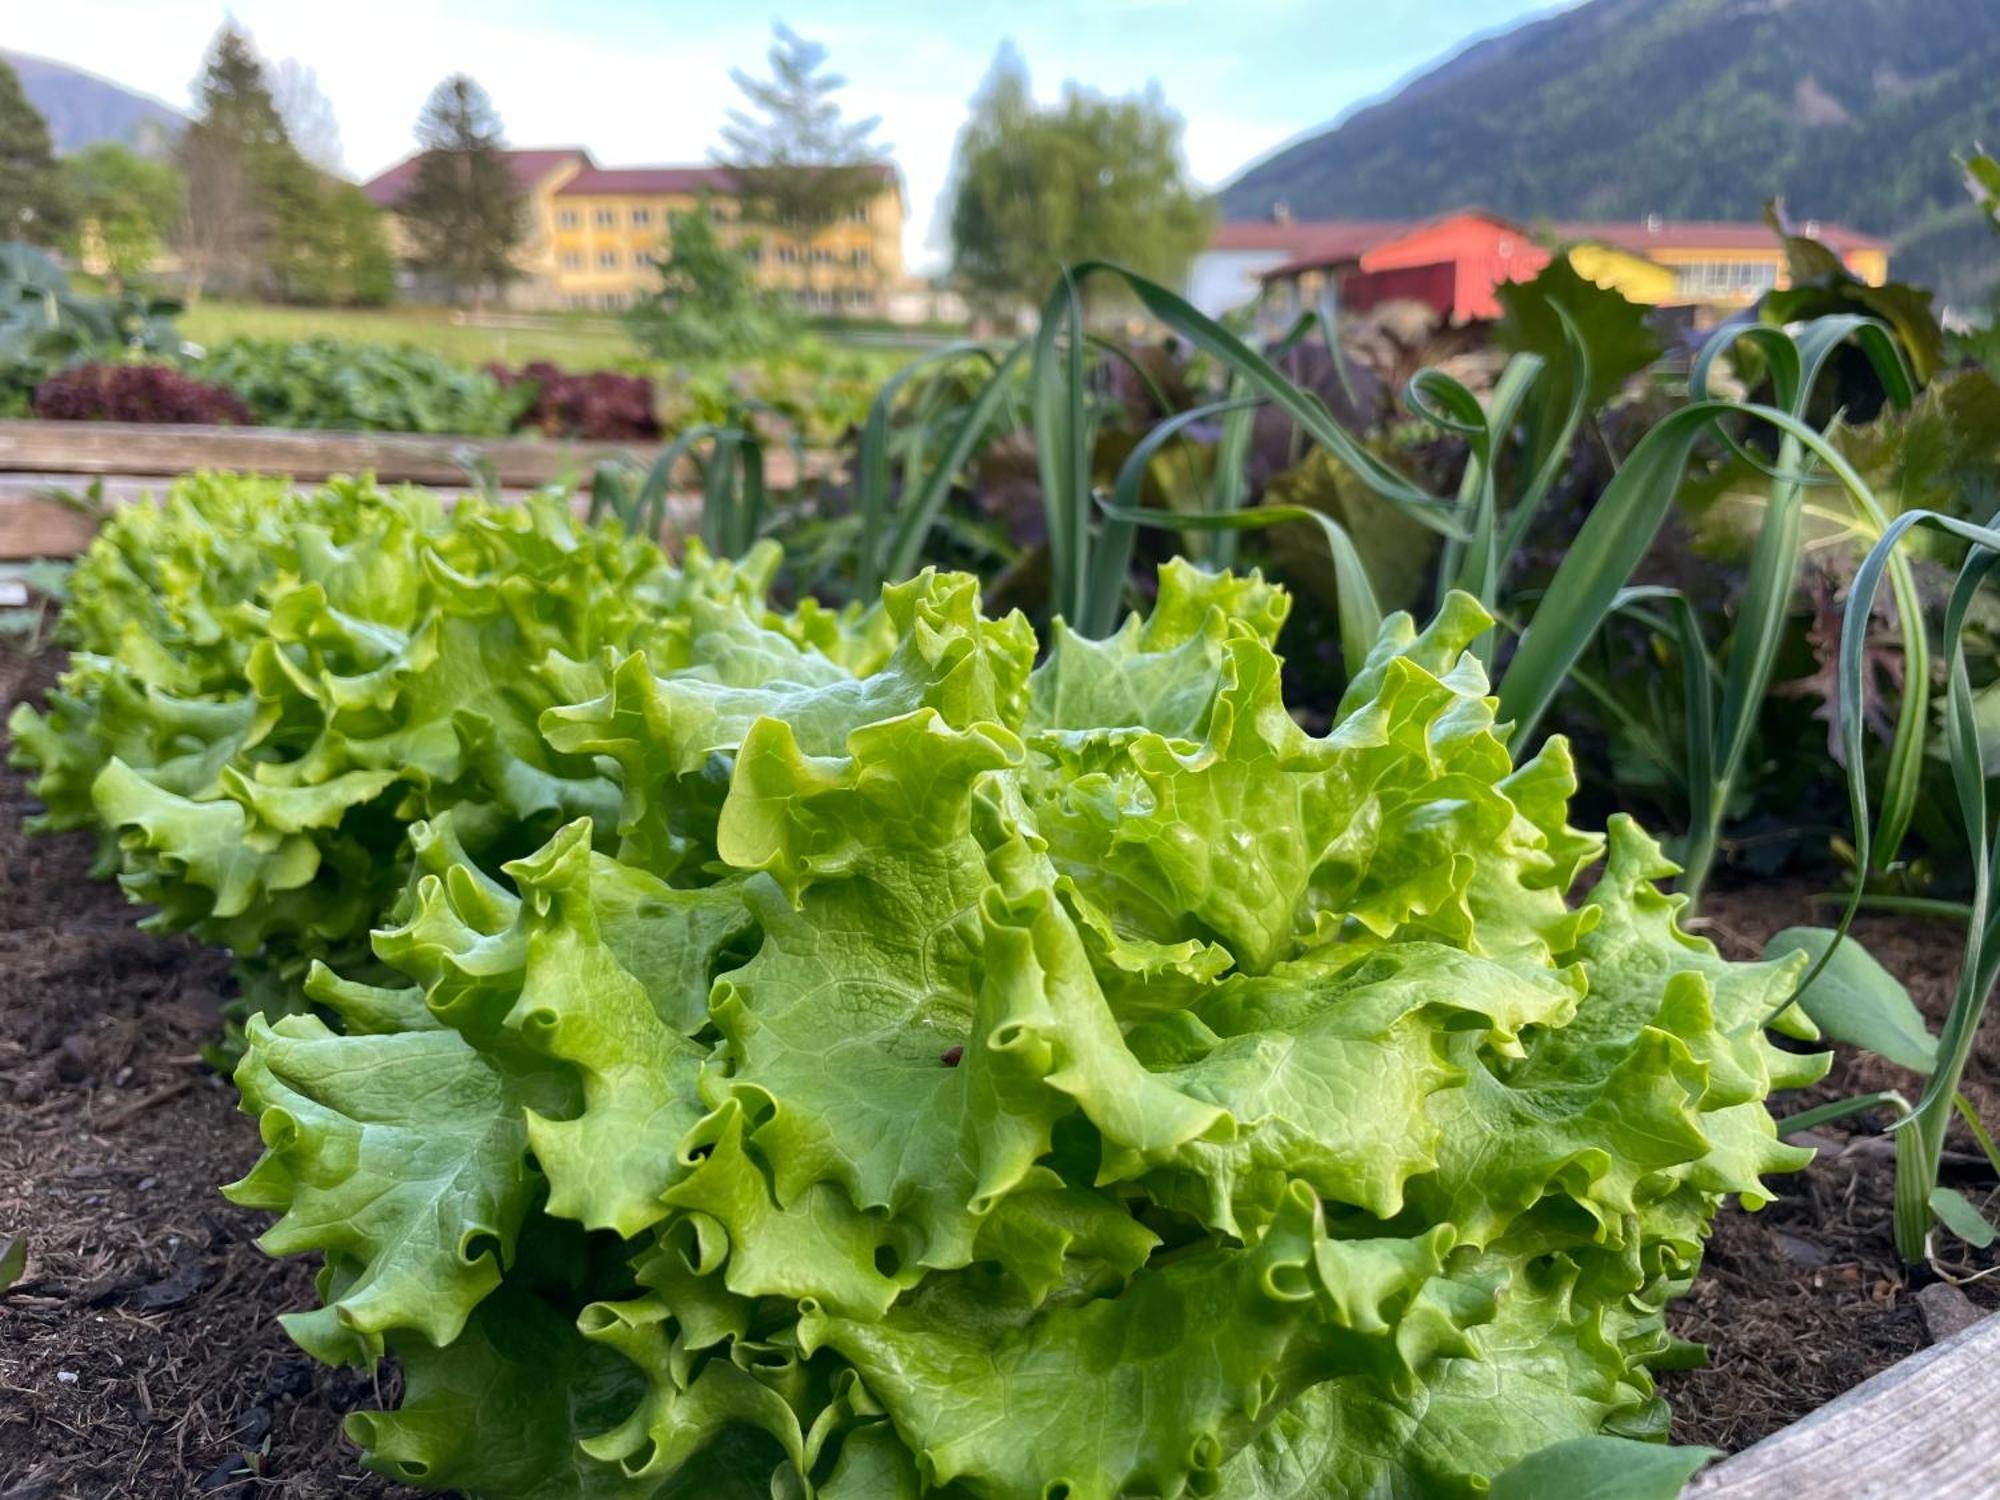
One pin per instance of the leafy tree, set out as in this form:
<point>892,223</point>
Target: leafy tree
<point>123,207</point>
<point>32,206</point>
<point>1037,188</point>
<point>800,162</point>
<point>465,213</point>
<point>708,303</point>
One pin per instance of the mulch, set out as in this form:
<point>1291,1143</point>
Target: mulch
<point>140,1355</point>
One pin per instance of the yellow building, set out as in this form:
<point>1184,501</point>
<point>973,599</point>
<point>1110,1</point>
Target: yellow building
<point>594,233</point>
<point>1724,265</point>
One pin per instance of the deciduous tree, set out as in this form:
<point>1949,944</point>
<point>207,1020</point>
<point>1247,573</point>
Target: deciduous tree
<point>1036,188</point>
<point>124,207</point>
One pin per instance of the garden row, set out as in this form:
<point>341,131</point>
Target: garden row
<point>70,356</point>
<point>787,1020</point>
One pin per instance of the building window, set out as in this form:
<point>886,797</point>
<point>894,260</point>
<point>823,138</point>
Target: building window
<point>607,260</point>
<point>605,218</point>
<point>611,301</point>
<point>1714,278</point>
<point>788,255</point>
<point>857,214</point>
<point>572,260</point>
<point>822,256</point>
<point>567,219</point>
<point>642,216</point>
<point>753,254</point>
<point>858,256</point>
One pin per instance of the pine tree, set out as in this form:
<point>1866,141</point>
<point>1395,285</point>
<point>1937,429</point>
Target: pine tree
<point>246,209</point>
<point>32,203</point>
<point>465,214</point>
<point>800,163</point>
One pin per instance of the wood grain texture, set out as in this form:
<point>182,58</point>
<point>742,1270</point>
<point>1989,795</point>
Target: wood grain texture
<point>1927,1428</point>
<point>141,448</point>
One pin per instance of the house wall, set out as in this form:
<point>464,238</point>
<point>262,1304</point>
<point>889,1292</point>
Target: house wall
<point>1483,251</point>
<point>1221,281</point>
<point>595,251</point>
<point>604,244</point>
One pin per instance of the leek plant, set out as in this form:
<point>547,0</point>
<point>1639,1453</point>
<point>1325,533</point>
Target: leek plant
<point>1919,1130</point>
<point>1092,534</point>
<point>730,464</point>
<point>1725,699</point>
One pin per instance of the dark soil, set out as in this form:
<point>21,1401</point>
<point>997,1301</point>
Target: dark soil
<point>140,1353</point>
<point>141,1356</point>
<point>1807,1298</point>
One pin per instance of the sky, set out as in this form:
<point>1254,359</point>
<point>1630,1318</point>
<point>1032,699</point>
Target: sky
<point>642,83</point>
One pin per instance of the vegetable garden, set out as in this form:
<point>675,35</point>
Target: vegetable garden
<point>1000,998</point>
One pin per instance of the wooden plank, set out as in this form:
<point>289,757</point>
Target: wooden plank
<point>1928,1426</point>
<point>34,525</point>
<point>142,448</point>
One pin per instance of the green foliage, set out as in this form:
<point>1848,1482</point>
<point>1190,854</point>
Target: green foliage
<point>333,246</point>
<point>33,205</point>
<point>1093,178</point>
<point>708,304</point>
<point>465,214</point>
<point>1921,1202</point>
<point>835,1052</point>
<point>45,326</point>
<point>125,206</point>
<point>325,383</point>
<point>799,163</point>
<point>1613,331</point>
<point>1744,101</point>
<point>267,686</point>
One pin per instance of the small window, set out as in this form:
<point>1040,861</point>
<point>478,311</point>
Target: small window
<point>607,260</point>
<point>605,218</point>
<point>859,255</point>
<point>642,216</point>
<point>752,253</point>
<point>788,255</point>
<point>572,260</point>
<point>567,219</point>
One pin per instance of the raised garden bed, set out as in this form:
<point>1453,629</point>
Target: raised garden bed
<point>141,1355</point>
<point>132,459</point>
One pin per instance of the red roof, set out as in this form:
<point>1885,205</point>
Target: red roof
<point>386,189</point>
<point>648,180</point>
<point>1316,241</point>
<point>697,179</point>
<point>1640,236</point>
<point>1328,242</point>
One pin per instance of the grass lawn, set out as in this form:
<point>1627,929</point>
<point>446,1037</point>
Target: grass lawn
<point>574,343</point>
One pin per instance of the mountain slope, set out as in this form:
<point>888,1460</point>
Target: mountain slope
<point>1849,109</point>
<point>83,109</point>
